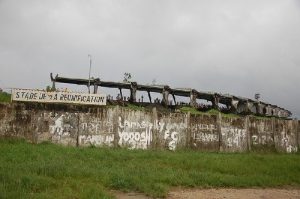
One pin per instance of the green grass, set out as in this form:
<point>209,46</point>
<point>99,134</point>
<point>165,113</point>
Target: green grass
<point>5,97</point>
<point>134,107</point>
<point>192,110</point>
<point>52,171</point>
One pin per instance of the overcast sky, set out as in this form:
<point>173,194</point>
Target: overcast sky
<point>228,46</point>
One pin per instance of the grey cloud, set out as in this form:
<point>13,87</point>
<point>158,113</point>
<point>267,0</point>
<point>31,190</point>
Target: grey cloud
<point>237,47</point>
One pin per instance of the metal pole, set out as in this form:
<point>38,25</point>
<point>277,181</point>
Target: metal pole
<point>90,73</point>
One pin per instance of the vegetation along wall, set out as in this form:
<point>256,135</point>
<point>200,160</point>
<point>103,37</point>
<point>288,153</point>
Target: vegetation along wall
<point>117,126</point>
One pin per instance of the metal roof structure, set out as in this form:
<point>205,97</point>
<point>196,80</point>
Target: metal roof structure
<point>236,104</point>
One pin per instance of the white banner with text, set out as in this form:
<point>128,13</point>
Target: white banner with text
<point>27,95</point>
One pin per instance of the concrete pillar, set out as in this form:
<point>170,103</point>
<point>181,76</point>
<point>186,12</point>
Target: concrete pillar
<point>275,111</point>
<point>95,89</point>
<point>193,99</point>
<point>121,93</point>
<point>251,107</point>
<point>149,95</point>
<point>280,112</point>
<point>174,99</point>
<point>248,134</point>
<point>234,106</point>
<point>242,107</point>
<point>116,114</point>
<point>165,96</point>
<point>268,110</point>
<point>215,101</point>
<point>156,144</point>
<point>260,108</point>
<point>133,88</point>
<point>188,131</point>
<point>219,126</point>
<point>53,86</point>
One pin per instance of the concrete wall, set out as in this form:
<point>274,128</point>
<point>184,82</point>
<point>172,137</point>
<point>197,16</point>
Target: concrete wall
<point>121,127</point>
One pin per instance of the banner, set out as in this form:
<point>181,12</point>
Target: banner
<point>27,95</point>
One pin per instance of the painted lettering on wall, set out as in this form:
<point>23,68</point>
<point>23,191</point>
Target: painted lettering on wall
<point>135,135</point>
<point>171,139</point>
<point>286,142</point>
<point>171,132</point>
<point>205,137</point>
<point>262,139</point>
<point>60,128</point>
<point>97,127</point>
<point>204,133</point>
<point>97,140</point>
<point>233,136</point>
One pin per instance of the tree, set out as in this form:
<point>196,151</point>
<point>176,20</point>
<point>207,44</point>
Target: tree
<point>50,89</point>
<point>127,77</point>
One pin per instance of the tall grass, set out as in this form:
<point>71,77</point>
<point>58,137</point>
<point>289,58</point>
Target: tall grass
<point>52,171</point>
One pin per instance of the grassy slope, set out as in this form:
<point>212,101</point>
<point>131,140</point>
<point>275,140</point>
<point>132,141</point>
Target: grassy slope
<point>50,171</point>
<point>5,97</point>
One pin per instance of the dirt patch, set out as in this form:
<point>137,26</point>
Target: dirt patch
<point>235,193</point>
<point>130,195</point>
<point>177,193</point>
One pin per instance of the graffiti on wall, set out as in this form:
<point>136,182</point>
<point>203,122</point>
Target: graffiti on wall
<point>171,133</point>
<point>96,132</point>
<point>96,127</point>
<point>139,135</point>
<point>264,135</point>
<point>286,141</point>
<point>134,135</point>
<point>233,137</point>
<point>262,139</point>
<point>61,128</point>
<point>171,139</point>
<point>97,140</point>
<point>204,133</point>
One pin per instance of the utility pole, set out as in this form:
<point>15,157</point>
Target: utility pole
<point>89,84</point>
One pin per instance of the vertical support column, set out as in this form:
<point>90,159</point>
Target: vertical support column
<point>53,86</point>
<point>248,133</point>
<point>219,129</point>
<point>269,110</point>
<point>165,96</point>
<point>275,111</point>
<point>133,88</point>
<point>260,108</point>
<point>78,129</point>
<point>188,131</point>
<point>149,96</point>
<point>233,105</point>
<point>116,114</point>
<point>215,101</point>
<point>53,81</point>
<point>155,131</point>
<point>275,137</point>
<point>193,98</point>
<point>121,93</point>
<point>95,89</point>
<point>174,99</point>
<point>251,108</point>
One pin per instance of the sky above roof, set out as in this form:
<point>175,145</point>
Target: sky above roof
<point>237,47</point>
